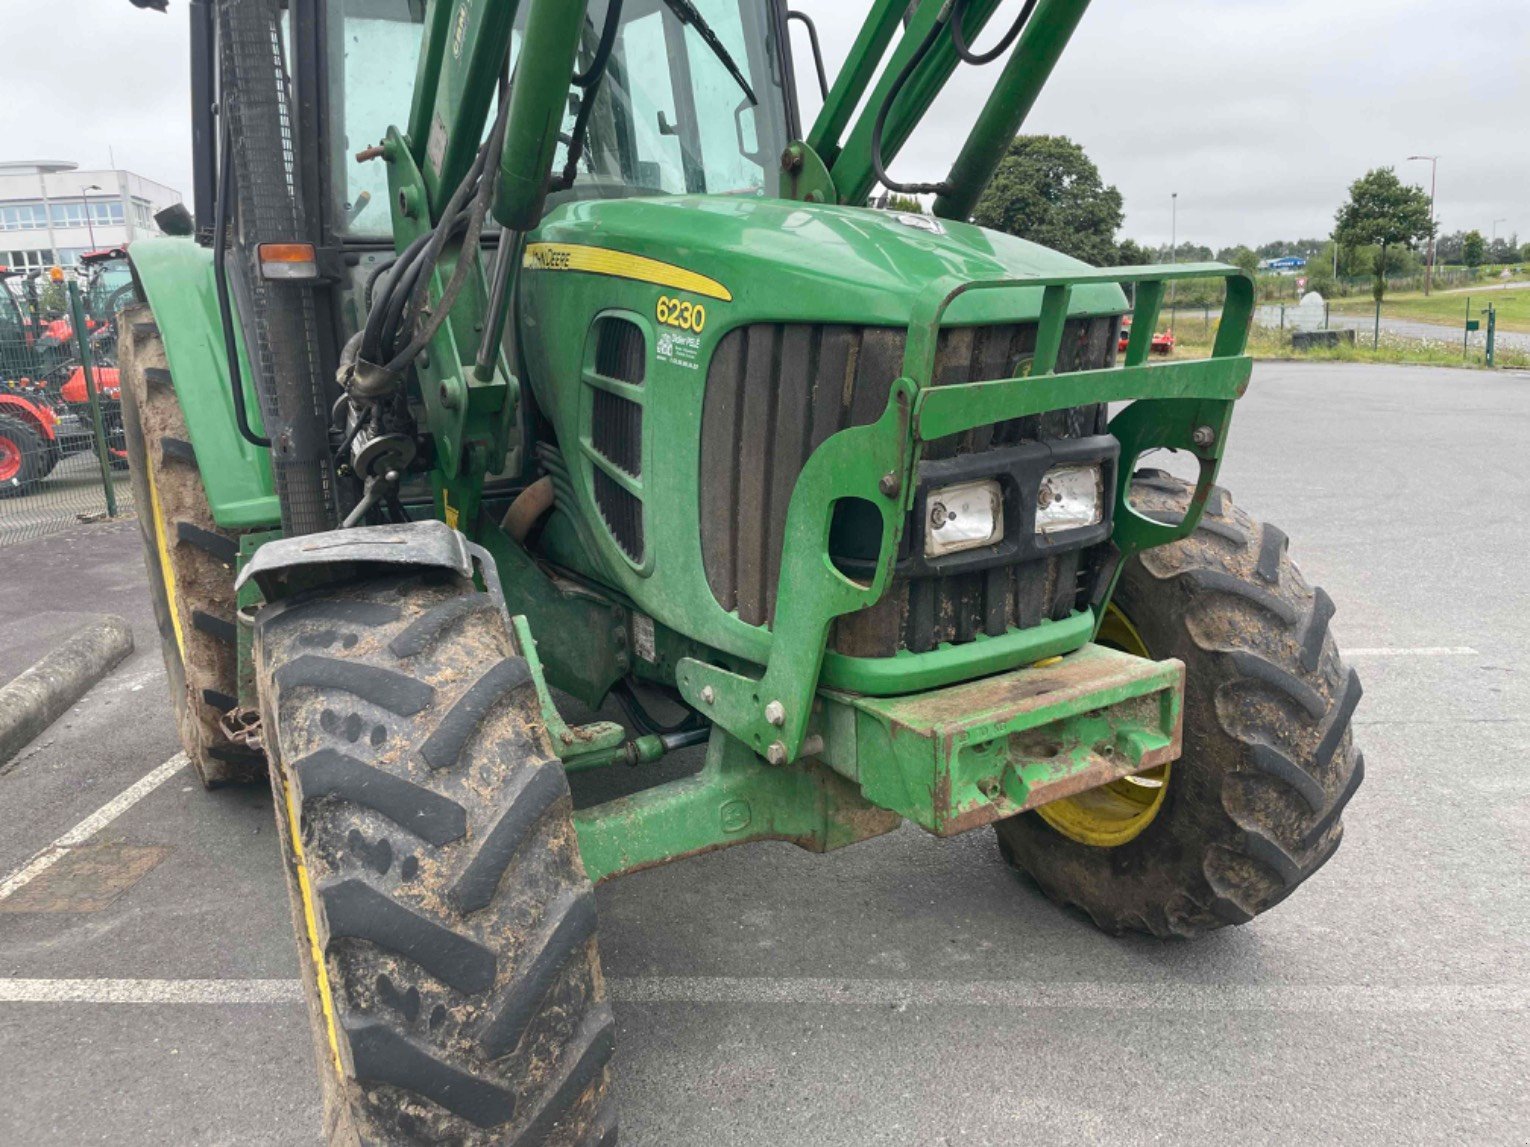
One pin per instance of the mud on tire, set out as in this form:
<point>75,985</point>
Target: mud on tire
<point>1252,808</point>
<point>190,559</point>
<point>445,921</point>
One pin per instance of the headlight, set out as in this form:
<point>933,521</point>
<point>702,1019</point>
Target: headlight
<point>963,517</point>
<point>1070,497</point>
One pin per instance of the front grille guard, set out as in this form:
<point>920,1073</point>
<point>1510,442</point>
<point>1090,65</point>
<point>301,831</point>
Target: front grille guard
<point>1178,405</point>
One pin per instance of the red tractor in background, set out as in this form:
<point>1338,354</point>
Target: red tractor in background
<point>1163,341</point>
<point>44,401</point>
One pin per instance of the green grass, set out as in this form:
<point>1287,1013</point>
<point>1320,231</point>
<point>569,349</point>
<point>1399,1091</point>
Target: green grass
<point>1448,308</point>
<point>1193,340</point>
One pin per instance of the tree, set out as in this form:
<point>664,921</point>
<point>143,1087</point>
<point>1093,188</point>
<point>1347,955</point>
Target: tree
<point>1383,211</point>
<point>1240,256</point>
<point>908,204</point>
<point>1048,191</point>
<point>1473,249</point>
<point>1524,253</point>
<point>1132,254</point>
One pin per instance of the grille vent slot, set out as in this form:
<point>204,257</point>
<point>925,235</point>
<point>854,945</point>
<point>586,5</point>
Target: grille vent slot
<point>617,431</point>
<point>622,512</point>
<point>621,351</point>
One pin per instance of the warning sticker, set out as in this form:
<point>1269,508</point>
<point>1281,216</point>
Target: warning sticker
<point>642,638</point>
<point>680,350</point>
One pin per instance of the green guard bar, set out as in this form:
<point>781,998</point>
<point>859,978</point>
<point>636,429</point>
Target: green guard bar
<point>538,99</point>
<point>1029,67</point>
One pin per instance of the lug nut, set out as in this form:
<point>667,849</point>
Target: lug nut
<point>889,484</point>
<point>775,713</point>
<point>776,754</point>
<point>708,694</point>
<point>1203,436</point>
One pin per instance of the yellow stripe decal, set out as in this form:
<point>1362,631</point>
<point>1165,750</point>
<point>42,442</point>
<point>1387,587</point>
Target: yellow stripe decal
<point>166,570</point>
<point>620,265</point>
<point>305,890</point>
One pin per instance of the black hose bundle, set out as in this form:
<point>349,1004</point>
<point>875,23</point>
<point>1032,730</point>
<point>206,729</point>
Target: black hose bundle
<point>954,15</point>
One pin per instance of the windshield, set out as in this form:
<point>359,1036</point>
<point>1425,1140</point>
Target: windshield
<point>669,118</point>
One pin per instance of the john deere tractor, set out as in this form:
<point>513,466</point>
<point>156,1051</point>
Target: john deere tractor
<point>579,368</point>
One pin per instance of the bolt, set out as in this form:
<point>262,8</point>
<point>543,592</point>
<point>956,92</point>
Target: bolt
<point>776,754</point>
<point>791,159</point>
<point>775,713</point>
<point>708,695</point>
<point>1203,436</point>
<point>889,484</point>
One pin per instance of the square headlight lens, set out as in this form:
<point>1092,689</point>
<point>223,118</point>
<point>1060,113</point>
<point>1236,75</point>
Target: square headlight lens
<point>963,517</point>
<point>1070,497</point>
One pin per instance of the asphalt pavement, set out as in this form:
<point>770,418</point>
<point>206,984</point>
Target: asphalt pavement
<point>906,990</point>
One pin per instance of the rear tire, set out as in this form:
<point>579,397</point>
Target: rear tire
<point>25,458</point>
<point>1251,809</point>
<point>190,559</point>
<point>446,926</point>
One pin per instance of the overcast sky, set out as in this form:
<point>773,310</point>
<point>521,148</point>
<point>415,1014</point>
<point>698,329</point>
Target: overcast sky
<point>1258,112</point>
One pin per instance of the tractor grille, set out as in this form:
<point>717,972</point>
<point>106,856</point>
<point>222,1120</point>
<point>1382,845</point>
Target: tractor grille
<point>775,392</point>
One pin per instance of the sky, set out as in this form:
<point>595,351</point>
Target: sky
<point>1259,113</point>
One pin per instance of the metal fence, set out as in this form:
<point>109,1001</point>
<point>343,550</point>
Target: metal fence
<point>62,452</point>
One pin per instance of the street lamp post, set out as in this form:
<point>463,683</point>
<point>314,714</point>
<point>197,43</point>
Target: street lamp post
<point>1433,171</point>
<point>1493,242</point>
<point>90,227</point>
<point>1173,250</point>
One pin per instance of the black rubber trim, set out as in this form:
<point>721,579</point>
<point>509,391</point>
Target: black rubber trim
<point>177,448</point>
<point>386,688</point>
<point>444,746</point>
<point>355,910</point>
<point>1272,544</point>
<point>1257,668</point>
<point>220,701</point>
<point>1272,854</point>
<point>1316,832</point>
<point>158,376</point>
<point>215,627</point>
<point>540,789</point>
<point>1228,583</point>
<point>225,550</point>
<point>430,816</point>
<point>596,1042</point>
<point>1338,722</point>
<point>1211,525</point>
<point>367,614</point>
<point>1270,761</point>
<point>381,1055</point>
<point>1315,629</point>
<point>423,631</point>
<point>567,927</point>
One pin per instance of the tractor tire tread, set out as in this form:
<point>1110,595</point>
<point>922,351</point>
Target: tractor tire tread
<point>1268,710</point>
<point>448,894</point>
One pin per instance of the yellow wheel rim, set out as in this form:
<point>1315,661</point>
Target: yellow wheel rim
<point>1111,815</point>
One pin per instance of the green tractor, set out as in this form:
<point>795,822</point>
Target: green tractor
<point>581,366</point>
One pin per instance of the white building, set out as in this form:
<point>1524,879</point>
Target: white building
<point>52,212</point>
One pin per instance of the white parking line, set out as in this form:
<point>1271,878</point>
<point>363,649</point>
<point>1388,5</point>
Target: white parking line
<point>91,825</point>
<point>150,991</point>
<point>899,994</point>
<point>1419,651</point>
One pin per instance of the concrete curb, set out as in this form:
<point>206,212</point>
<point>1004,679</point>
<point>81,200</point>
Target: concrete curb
<point>36,698</point>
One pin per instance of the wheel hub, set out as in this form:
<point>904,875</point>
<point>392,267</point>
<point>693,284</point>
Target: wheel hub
<point>1113,814</point>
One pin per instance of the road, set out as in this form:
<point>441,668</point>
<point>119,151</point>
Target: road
<point>906,990</point>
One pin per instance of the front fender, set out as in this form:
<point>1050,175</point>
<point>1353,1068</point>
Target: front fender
<point>175,277</point>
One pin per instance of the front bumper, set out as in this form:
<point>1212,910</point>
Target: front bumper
<point>956,758</point>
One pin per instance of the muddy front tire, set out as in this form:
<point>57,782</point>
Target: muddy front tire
<point>190,559</point>
<point>445,923</point>
<point>1252,807</point>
